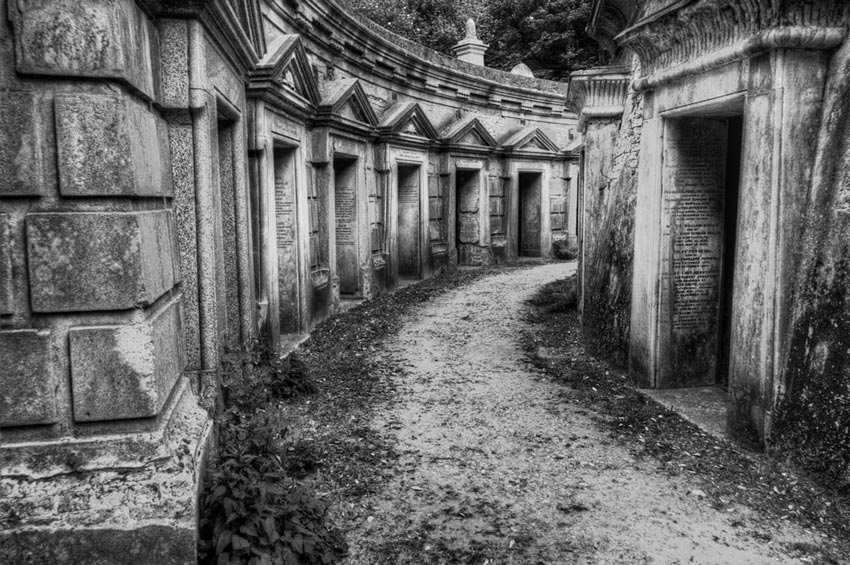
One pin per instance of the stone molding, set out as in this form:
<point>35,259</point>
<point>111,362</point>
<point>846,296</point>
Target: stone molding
<point>468,132</point>
<point>691,37</point>
<point>599,93</point>
<point>380,53</point>
<point>284,78</point>
<point>789,37</point>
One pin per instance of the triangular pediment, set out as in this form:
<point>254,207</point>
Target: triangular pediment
<point>469,131</point>
<point>409,119</point>
<point>286,67</point>
<point>250,19</point>
<point>530,139</point>
<point>347,99</point>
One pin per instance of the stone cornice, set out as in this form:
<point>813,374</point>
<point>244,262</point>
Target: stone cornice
<point>599,93</point>
<point>778,38</point>
<point>243,46</point>
<point>336,34</point>
<point>691,36</point>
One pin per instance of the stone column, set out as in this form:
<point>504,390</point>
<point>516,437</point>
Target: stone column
<point>100,434</point>
<point>597,96</point>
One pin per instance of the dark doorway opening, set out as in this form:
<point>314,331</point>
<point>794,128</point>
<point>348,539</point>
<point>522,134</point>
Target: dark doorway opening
<point>467,233</point>
<point>730,241</point>
<point>345,212</point>
<point>408,221</point>
<point>529,214</point>
<point>701,186</point>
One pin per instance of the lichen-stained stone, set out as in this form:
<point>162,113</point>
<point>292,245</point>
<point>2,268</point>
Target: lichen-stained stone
<point>110,146</point>
<point>468,232</point>
<point>174,62</point>
<point>27,380</point>
<point>5,266</point>
<point>95,38</point>
<point>99,260</point>
<point>21,142</point>
<point>128,371</point>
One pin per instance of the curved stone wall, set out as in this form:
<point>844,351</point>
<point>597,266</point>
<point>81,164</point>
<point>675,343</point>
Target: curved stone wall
<point>177,178</point>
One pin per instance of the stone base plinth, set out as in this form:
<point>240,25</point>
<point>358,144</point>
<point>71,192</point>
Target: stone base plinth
<point>85,505</point>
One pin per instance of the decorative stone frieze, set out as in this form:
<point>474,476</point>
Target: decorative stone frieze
<point>707,34</point>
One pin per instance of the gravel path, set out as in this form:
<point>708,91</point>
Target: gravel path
<point>495,468</point>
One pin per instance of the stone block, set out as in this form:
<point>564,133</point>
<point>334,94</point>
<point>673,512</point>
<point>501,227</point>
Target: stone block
<point>99,261</point>
<point>6,306</point>
<point>110,146</point>
<point>468,229</point>
<point>21,142</point>
<point>435,230</point>
<point>97,38</point>
<point>174,62</point>
<point>27,381</point>
<point>495,184</point>
<point>120,372</point>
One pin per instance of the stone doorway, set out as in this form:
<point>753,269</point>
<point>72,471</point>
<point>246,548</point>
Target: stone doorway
<point>701,181</point>
<point>408,221</point>
<point>345,211</point>
<point>530,185</point>
<point>286,194</point>
<point>467,190</point>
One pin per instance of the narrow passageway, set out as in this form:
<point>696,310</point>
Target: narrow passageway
<point>495,467</point>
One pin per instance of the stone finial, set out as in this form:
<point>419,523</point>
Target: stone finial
<point>471,32</point>
<point>470,48</point>
<point>522,70</point>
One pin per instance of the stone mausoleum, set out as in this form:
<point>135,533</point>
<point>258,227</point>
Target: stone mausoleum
<point>182,177</point>
<point>714,207</point>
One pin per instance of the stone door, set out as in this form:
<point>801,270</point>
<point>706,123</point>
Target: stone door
<point>408,221</point>
<point>287,239</point>
<point>345,210</point>
<point>697,251</point>
<point>467,198</point>
<point>529,214</point>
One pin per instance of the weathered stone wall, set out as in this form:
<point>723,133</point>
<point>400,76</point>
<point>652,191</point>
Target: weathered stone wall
<point>143,227</point>
<point>777,297</point>
<point>124,272</point>
<point>811,422</point>
<point>610,184</point>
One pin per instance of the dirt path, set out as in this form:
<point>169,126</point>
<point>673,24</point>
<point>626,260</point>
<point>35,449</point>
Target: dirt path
<point>495,468</point>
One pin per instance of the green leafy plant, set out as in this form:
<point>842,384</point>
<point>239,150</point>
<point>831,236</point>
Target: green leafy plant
<point>253,513</point>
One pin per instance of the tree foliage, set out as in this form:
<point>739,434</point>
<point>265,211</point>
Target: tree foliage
<point>546,35</point>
